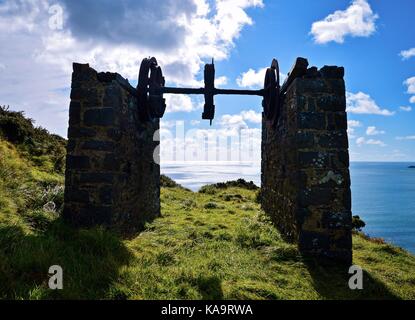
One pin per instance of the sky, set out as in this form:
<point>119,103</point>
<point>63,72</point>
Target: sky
<point>372,39</point>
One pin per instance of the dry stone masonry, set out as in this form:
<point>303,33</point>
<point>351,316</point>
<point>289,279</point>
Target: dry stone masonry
<point>305,166</point>
<point>111,177</point>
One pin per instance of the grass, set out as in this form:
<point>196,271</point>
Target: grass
<point>195,250</point>
<point>213,244</point>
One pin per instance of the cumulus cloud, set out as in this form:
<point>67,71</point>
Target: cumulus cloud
<point>252,116</point>
<point>358,20</point>
<point>238,121</point>
<point>148,23</point>
<point>372,131</point>
<point>354,123</point>
<point>351,127</point>
<point>179,103</point>
<point>406,54</point>
<point>405,108</point>
<point>181,34</point>
<point>255,78</point>
<point>362,103</point>
<point>362,141</point>
<point>410,84</point>
<point>221,81</point>
<point>406,138</point>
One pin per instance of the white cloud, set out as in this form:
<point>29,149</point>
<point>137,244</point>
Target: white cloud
<point>221,81</point>
<point>351,127</point>
<point>252,116</point>
<point>231,122</point>
<point>238,121</point>
<point>179,103</point>
<point>362,103</point>
<point>372,131</point>
<point>406,108</point>
<point>354,123</point>
<point>362,141</point>
<point>376,142</point>
<point>358,20</point>
<point>410,83</point>
<point>165,124</point>
<point>255,78</point>
<point>194,122</point>
<point>406,138</point>
<point>252,78</point>
<point>39,59</point>
<point>406,54</point>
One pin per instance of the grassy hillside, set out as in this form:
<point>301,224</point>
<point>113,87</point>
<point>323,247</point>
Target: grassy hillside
<point>214,244</point>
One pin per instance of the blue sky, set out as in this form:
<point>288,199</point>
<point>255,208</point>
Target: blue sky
<point>371,39</point>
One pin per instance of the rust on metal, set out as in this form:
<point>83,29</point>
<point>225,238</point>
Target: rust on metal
<point>151,88</point>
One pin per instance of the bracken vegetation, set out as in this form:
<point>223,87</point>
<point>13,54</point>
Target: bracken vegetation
<point>212,244</point>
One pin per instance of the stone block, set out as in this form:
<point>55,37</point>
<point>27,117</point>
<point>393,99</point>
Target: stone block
<point>99,117</point>
<point>76,195</point>
<point>77,162</point>
<point>311,120</point>
<point>74,113</point>
<point>316,196</point>
<point>330,103</point>
<point>333,139</point>
<point>313,159</point>
<point>105,195</point>
<point>98,145</point>
<point>80,132</point>
<point>332,72</point>
<point>96,177</point>
<point>305,139</point>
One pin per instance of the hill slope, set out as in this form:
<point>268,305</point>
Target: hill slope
<point>214,244</point>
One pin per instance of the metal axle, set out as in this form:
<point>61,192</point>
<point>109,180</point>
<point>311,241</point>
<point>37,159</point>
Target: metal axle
<point>151,88</point>
<point>172,90</point>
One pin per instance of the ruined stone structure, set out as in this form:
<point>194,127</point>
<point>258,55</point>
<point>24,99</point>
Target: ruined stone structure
<point>305,165</point>
<point>111,177</point>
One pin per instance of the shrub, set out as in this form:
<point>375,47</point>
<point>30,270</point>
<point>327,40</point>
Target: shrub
<point>35,143</point>
<point>208,189</point>
<point>240,183</point>
<point>211,205</point>
<point>167,182</point>
<point>358,224</point>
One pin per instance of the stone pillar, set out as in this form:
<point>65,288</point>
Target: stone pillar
<point>111,177</point>
<point>305,166</point>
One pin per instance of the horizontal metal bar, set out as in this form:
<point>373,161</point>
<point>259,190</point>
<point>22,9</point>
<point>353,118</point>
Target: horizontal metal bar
<point>182,90</point>
<point>215,91</point>
<point>240,92</point>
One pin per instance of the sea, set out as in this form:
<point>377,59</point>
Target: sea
<point>383,193</point>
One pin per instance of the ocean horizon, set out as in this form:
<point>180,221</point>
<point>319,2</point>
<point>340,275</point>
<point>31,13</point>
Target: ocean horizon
<point>383,193</point>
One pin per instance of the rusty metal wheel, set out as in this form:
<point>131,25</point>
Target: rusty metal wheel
<point>150,97</point>
<point>272,92</point>
<point>157,104</point>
